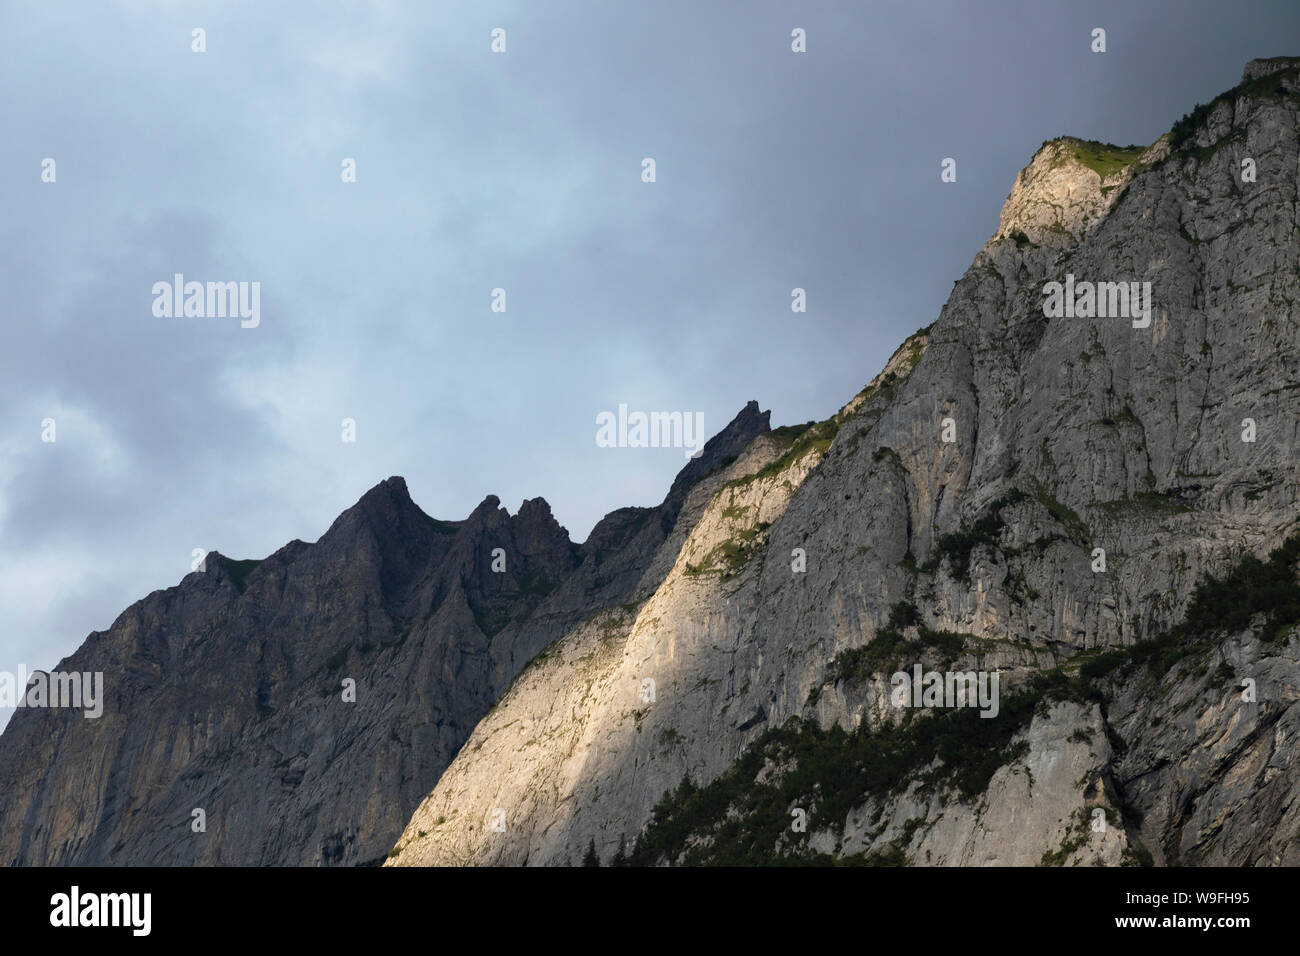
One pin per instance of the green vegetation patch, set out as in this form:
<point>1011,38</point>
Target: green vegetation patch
<point>1253,589</point>
<point>1104,159</point>
<point>1062,514</point>
<point>729,557</point>
<point>739,821</point>
<point>914,347</point>
<point>1077,836</point>
<point>956,547</point>
<point>1144,501</point>
<point>891,647</point>
<point>811,437</point>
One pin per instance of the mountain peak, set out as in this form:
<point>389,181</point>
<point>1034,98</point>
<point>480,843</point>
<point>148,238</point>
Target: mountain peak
<point>489,505</point>
<point>392,488</point>
<point>1068,186</point>
<point>718,451</point>
<point>534,509</point>
<point>387,505</point>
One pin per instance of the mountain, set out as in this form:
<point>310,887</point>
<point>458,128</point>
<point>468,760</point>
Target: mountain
<point>1097,510</point>
<point>226,693</point>
<point>1100,510</point>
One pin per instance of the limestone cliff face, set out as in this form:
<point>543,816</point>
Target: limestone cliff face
<point>226,692</point>
<point>1069,435</point>
<point>1014,493</point>
<point>1069,186</point>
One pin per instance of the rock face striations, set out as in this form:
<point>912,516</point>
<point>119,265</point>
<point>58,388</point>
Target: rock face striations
<point>1032,496</point>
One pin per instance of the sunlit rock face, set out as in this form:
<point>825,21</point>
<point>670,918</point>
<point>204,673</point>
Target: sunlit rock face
<point>1096,472</point>
<point>1068,187</point>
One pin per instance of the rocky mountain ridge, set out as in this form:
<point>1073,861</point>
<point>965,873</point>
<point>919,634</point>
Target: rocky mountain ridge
<point>226,694</point>
<point>1024,494</point>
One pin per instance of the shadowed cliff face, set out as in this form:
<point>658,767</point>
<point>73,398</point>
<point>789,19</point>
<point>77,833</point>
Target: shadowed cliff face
<point>1017,492</point>
<point>226,693</point>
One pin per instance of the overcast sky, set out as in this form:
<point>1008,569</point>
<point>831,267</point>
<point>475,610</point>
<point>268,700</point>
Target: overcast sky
<point>475,171</point>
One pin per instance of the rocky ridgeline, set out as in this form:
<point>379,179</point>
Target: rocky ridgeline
<point>225,694</point>
<point>748,689</point>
